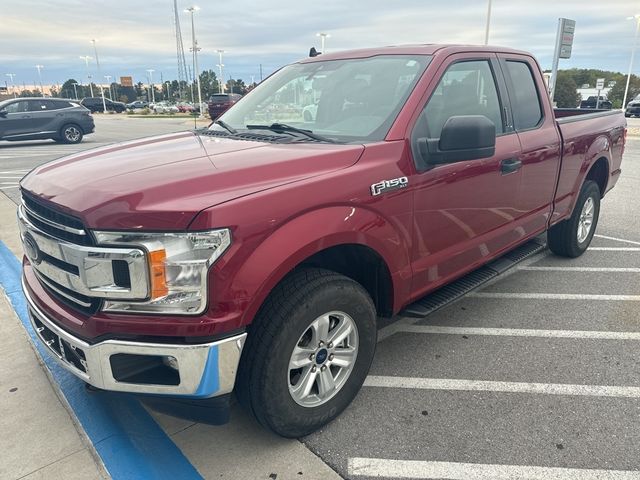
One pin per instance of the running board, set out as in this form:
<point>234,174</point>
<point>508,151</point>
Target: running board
<point>454,290</point>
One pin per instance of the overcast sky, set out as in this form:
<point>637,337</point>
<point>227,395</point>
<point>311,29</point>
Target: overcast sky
<point>134,35</point>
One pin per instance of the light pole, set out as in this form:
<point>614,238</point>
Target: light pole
<point>75,90</point>
<point>40,67</point>
<point>195,48</point>
<point>86,59</point>
<point>108,77</point>
<point>323,37</point>
<point>13,85</point>
<point>150,78</point>
<point>220,67</point>
<point>95,51</point>
<point>486,32</point>
<point>633,53</point>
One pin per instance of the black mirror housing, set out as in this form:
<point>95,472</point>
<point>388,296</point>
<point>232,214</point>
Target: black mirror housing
<point>463,137</point>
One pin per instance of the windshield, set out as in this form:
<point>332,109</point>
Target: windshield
<point>351,100</point>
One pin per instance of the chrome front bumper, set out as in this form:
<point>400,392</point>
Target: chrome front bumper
<point>205,370</point>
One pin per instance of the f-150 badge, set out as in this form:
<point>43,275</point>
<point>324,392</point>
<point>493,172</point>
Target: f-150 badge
<point>389,185</point>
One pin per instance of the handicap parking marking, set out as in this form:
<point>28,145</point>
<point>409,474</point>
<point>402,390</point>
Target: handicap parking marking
<point>418,469</point>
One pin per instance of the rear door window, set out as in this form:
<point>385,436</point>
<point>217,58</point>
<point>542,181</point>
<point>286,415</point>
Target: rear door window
<point>38,105</point>
<point>527,110</point>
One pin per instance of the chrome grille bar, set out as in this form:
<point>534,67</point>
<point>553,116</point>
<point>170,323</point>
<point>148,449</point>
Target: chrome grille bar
<point>51,223</point>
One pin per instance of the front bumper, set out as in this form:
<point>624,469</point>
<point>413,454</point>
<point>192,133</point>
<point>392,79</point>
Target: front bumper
<point>187,371</point>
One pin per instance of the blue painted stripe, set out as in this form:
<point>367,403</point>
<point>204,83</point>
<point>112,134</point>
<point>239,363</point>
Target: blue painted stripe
<point>129,441</point>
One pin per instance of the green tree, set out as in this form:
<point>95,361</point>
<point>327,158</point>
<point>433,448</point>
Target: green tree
<point>208,84</point>
<point>616,94</point>
<point>566,95</point>
<point>236,86</point>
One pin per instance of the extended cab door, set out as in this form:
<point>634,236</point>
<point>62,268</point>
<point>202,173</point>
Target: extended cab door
<point>535,124</point>
<point>464,211</point>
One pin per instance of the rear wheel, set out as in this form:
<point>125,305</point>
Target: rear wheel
<point>308,352</point>
<point>70,133</point>
<point>571,237</point>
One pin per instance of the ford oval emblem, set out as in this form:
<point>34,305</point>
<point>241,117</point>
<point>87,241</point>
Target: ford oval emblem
<point>31,249</point>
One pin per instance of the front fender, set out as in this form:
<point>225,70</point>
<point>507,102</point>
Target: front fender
<point>314,231</point>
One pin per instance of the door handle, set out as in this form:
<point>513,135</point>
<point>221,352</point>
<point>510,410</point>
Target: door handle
<point>510,165</point>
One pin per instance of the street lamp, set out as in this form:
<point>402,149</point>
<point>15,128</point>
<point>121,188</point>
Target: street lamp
<point>108,77</point>
<point>86,59</point>
<point>40,67</point>
<point>633,53</point>
<point>195,49</point>
<point>75,90</point>
<point>486,32</point>
<point>13,85</point>
<point>150,78</point>
<point>220,67</point>
<point>95,51</point>
<point>323,36</point>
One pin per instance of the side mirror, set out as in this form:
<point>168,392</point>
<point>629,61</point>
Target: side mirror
<point>3,113</point>
<point>463,137</point>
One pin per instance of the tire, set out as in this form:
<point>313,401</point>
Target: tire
<point>307,116</point>
<point>627,115</point>
<point>70,133</point>
<point>569,237</point>
<point>266,380</point>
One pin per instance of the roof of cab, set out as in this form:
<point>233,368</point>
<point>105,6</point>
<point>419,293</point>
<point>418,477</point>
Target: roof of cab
<point>424,49</point>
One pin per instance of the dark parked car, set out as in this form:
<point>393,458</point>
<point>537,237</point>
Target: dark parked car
<point>633,107</point>
<point>220,103</point>
<point>40,118</point>
<point>591,102</point>
<point>95,105</point>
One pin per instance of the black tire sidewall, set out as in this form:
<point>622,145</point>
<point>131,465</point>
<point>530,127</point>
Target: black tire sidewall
<point>590,189</point>
<point>281,413</point>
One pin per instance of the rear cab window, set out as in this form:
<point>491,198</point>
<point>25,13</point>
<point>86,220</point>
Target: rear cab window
<point>526,105</point>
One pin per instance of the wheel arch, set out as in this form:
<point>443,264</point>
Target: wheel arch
<point>369,250</point>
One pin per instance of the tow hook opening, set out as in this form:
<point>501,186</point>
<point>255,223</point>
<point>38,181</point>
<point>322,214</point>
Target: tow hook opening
<point>145,369</point>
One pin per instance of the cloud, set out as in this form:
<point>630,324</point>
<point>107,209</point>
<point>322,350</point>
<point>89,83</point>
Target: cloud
<point>134,35</point>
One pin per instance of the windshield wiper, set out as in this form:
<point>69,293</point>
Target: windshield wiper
<point>284,128</point>
<point>226,126</point>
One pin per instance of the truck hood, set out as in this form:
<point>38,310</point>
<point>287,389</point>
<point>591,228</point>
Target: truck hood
<point>161,183</point>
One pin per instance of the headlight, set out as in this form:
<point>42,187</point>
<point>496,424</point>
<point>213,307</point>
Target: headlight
<point>178,267</point>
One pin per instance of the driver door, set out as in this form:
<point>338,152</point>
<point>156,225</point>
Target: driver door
<point>464,211</point>
<point>17,118</point>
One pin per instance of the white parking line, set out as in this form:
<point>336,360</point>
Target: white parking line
<point>617,239</point>
<point>379,467</point>
<point>613,249</point>
<point>519,332</point>
<point>502,387</point>
<point>582,269</point>
<point>557,296</point>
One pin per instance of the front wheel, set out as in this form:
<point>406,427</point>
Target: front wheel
<point>571,237</point>
<point>308,352</point>
<point>70,133</point>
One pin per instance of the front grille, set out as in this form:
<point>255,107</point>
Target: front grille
<point>55,223</point>
<point>73,356</point>
<point>75,300</point>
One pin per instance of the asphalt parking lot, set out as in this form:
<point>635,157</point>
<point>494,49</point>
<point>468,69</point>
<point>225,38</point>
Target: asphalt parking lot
<point>536,375</point>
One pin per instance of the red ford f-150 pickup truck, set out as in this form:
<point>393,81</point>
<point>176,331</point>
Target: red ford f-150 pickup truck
<point>257,255</point>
